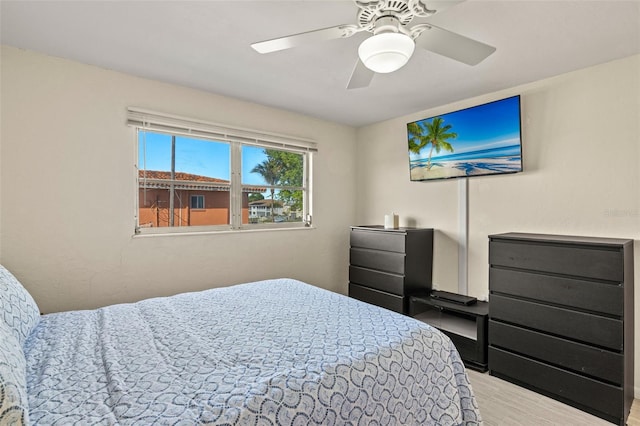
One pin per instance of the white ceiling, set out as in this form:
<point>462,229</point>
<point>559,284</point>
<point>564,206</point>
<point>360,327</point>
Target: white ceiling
<point>206,45</point>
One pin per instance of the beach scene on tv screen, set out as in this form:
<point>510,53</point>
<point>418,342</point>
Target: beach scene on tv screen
<point>477,141</point>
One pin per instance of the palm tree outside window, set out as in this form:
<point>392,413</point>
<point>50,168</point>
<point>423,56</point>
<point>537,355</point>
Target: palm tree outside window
<point>282,174</point>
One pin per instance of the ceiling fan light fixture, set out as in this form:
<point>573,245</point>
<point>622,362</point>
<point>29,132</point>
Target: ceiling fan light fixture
<point>386,52</point>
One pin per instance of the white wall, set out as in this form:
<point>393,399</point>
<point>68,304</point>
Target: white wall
<point>581,143</point>
<point>68,191</point>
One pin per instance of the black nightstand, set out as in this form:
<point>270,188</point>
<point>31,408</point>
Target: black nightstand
<point>466,325</point>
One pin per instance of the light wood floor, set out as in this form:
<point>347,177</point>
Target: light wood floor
<point>503,403</point>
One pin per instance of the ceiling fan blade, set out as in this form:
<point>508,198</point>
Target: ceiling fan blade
<point>360,77</point>
<point>281,43</point>
<point>453,45</point>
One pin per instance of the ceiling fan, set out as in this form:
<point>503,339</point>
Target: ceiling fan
<point>393,40</point>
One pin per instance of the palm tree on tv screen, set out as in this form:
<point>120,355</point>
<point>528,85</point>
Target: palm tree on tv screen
<point>436,135</point>
<point>417,140</point>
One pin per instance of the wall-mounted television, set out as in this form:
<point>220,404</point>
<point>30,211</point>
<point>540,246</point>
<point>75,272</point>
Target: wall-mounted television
<point>477,141</point>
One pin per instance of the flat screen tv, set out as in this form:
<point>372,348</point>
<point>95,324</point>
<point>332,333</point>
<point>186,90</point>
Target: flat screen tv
<point>477,141</point>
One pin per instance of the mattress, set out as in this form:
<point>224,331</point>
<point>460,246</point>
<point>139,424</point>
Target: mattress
<point>276,352</point>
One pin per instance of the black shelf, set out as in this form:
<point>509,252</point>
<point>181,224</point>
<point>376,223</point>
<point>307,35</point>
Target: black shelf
<point>466,326</point>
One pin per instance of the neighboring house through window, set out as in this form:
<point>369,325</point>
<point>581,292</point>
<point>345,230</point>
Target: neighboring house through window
<point>265,208</point>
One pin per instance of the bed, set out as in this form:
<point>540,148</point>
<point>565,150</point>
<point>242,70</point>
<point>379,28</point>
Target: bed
<point>275,352</point>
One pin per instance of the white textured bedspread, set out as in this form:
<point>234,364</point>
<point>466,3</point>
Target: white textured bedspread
<point>277,352</point>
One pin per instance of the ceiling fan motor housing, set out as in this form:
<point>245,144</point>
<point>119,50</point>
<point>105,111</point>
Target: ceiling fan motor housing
<point>373,14</point>
<point>387,24</point>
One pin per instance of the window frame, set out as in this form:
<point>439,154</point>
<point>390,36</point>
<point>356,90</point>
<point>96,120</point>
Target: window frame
<point>145,120</point>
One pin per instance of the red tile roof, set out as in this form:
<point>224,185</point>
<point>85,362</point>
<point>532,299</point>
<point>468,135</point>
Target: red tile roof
<point>155,174</point>
<point>155,178</point>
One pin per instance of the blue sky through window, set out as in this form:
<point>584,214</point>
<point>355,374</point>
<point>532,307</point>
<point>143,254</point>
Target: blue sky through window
<point>197,156</point>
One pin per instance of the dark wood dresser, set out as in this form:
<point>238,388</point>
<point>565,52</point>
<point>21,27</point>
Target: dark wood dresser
<point>388,265</point>
<point>561,319</point>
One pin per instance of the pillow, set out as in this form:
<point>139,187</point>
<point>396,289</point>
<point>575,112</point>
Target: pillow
<point>19,310</point>
<point>14,403</point>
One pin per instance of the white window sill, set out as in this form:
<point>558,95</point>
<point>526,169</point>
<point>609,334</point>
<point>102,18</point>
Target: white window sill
<point>235,231</point>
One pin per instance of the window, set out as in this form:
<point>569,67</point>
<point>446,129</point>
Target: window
<point>171,168</point>
<point>273,179</point>
<point>197,202</point>
<point>197,176</point>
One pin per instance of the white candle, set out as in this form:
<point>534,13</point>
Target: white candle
<point>391,221</point>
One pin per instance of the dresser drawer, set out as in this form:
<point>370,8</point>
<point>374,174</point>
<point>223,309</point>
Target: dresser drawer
<point>575,260</point>
<point>378,260</point>
<point>588,393</point>
<point>378,280</point>
<point>588,295</point>
<point>579,326</point>
<point>378,240</point>
<point>376,297</point>
<point>583,359</point>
